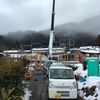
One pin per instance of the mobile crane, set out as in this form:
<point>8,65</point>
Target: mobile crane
<point>50,60</point>
<point>57,80</point>
<point>51,32</point>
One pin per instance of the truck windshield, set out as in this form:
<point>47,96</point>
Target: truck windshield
<point>61,74</point>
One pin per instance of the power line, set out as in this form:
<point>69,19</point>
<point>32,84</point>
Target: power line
<point>94,6</point>
<point>95,29</point>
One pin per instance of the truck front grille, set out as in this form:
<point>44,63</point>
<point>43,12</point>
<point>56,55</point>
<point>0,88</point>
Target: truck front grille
<point>68,87</point>
<point>64,93</point>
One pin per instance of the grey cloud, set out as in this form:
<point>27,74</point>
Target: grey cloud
<point>36,14</point>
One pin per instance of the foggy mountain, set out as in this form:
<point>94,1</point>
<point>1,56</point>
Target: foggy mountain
<point>84,32</point>
<point>19,35</point>
<point>88,26</point>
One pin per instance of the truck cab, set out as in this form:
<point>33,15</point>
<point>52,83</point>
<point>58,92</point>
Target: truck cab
<point>61,82</point>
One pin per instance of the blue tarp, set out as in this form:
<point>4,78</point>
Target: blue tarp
<point>83,79</point>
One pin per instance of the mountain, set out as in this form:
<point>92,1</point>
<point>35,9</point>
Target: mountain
<point>84,32</point>
<point>88,26</point>
<point>19,35</point>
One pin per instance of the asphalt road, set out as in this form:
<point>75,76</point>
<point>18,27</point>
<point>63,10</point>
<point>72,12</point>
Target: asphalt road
<point>38,88</point>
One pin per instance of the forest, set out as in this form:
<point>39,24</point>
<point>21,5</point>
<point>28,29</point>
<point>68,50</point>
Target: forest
<point>15,39</point>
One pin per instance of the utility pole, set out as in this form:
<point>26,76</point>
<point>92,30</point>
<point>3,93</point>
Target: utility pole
<point>51,32</point>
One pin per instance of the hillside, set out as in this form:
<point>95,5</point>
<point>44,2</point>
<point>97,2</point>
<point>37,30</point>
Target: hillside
<point>89,26</point>
<point>84,32</point>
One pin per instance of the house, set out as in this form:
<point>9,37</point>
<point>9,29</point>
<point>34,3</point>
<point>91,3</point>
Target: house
<point>12,53</point>
<point>35,60</point>
<point>16,53</point>
<point>87,51</point>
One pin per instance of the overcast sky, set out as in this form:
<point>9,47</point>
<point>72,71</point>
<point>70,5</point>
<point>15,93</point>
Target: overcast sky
<point>35,15</point>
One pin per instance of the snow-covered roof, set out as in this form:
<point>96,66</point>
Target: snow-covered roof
<point>10,51</point>
<point>34,49</point>
<point>40,49</point>
<point>90,51</point>
<point>27,51</point>
<point>85,47</point>
<point>90,47</point>
<point>74,49</point>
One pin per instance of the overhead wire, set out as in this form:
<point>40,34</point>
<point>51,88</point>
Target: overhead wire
<point>94,6</point>
<point>95,29</point>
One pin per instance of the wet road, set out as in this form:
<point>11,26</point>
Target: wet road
<point>37,86</point>
<point>38,89</point>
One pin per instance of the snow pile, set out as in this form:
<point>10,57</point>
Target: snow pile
<point>26,91</point>
<point>80,70</point>
<point>90,88</point>
<point>27,94</point>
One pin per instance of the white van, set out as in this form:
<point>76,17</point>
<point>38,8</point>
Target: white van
<point>61,83</point>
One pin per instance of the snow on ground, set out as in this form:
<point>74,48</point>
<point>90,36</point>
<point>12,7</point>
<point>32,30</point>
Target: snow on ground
<point>88,89</point>
<point>92,94</point>
<point>80,70</point>
<point>27,94</point>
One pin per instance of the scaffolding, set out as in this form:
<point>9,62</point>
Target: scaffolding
<point>68,44</point>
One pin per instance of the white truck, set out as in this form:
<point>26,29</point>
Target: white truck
<point>61,82</point>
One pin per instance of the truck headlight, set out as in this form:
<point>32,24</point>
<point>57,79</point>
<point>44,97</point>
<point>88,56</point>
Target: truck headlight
<point>51,84</point>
